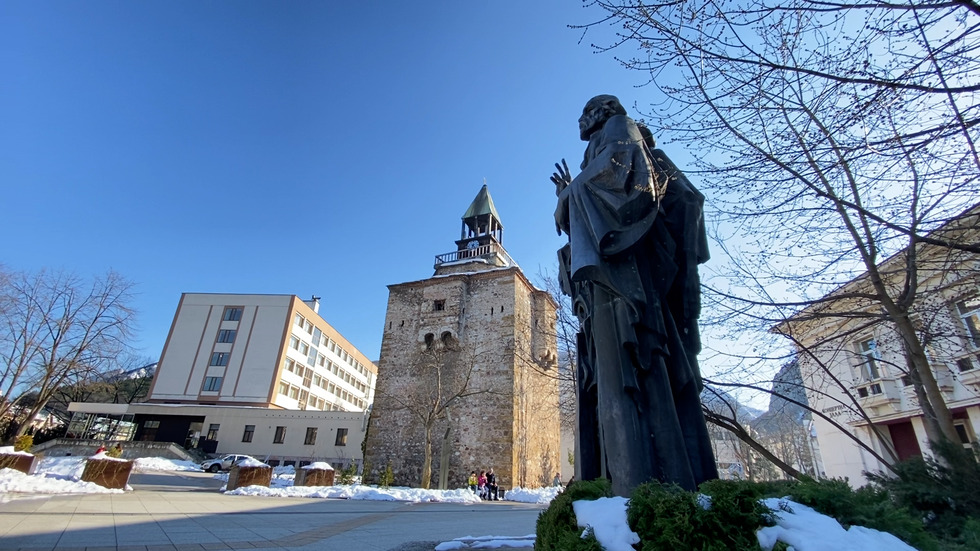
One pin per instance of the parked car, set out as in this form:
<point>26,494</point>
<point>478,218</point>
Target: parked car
<point>223,463</point>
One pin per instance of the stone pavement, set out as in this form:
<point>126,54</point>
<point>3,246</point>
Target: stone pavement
<point>185,511</point>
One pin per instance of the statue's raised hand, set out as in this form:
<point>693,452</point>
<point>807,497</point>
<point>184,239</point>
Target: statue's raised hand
<point>561,178</point>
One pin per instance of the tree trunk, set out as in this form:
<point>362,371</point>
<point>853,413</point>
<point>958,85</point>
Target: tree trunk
<point>427,458</point>
<point>938,421</point>
<point>444,460</point>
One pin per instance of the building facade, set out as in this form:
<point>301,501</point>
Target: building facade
<point>467,369</point>
<point>276,436</point>
<point>854,369</point>
<point>262,375</point>
<point>270,351</point>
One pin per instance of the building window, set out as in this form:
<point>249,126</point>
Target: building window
<point>249,432</point>
<point>300,320</point>
<point>964,364</point>
<point>964,433</point>
<point>317,334</point>
<point>280,435</point>
<point>212,384</point>
<point>284,389</point>
<point>213,431</point>
<point>869,358</point>
<point>219,359</point>
<point>310,436</point>
<point>232,314</point>
<point>438,305</point>
<point>227,335</point>
<point>969,311</point>
<point>294,343</point>
<point>341,438</point>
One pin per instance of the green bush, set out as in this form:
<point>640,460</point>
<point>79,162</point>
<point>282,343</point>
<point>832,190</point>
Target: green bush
<point>668,517</point>
<point>348,473</point>
<point>868,506</point>
<point>23,443</point>
<point>942,491</point>
<point>387,477</point>
<point>557,529</point>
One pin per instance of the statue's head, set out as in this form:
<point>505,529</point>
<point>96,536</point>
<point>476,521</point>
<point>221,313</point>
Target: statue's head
<point>597,111</point>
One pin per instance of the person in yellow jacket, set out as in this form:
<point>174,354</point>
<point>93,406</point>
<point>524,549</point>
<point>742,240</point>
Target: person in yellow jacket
<point>472,481</point>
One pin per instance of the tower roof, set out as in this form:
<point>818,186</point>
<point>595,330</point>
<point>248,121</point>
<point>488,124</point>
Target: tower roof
<point>482,204</point>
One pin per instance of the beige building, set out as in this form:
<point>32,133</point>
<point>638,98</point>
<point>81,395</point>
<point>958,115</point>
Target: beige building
<point>467,368</point>
<point>278,437</point>
<point>262,375</point>
<point>270,351</point>
<point>854,370</point>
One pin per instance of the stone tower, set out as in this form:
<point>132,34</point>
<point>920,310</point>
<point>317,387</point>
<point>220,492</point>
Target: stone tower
<point>468,369</point>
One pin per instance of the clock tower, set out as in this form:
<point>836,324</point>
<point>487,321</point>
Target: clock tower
<point>466,378</point>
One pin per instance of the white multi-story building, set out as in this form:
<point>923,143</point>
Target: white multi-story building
<point>853,364</point>
<point>262,375</point>
<point>260,350</point>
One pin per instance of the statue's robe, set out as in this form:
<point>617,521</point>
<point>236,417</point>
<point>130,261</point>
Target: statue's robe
<point>636,237</point>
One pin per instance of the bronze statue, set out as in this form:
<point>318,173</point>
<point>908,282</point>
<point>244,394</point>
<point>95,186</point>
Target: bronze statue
<point>636,236</point>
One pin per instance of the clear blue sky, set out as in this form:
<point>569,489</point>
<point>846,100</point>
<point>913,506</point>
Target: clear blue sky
<point>303,148</point>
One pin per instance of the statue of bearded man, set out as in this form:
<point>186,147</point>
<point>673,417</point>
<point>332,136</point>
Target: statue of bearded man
<point>636,236</point>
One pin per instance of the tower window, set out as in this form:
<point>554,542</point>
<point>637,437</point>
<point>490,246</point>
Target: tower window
<point>429,339</point>
<point>438,305</point>
<point>447,339</point>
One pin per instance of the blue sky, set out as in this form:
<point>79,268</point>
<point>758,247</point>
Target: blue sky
<point>303,148</point>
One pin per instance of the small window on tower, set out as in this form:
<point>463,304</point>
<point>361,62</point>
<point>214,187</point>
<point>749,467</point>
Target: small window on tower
<point>438,305</point>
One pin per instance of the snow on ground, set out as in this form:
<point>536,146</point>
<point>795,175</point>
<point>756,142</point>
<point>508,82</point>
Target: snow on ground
<point>151,464</point>
<point>807,530</point>
<point>606,517</point>
<point>797,525</point>
<point>12,481</point>
<point>357,491</point>
<point>487,542</point>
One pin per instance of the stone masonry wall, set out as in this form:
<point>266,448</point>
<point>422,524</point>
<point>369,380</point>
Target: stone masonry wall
<point>480,325</point>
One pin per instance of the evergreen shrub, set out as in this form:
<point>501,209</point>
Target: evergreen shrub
<point>387,477</point>
<point>557,529</point>
<point>942,492</point>
<point>348,473</point>
<point>668,517</point>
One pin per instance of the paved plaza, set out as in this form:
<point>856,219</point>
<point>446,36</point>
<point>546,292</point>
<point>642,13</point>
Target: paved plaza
<point>185,511</point>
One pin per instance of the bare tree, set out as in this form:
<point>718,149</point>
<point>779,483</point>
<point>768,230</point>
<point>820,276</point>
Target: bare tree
<point>831,136</point>
<point>58,330</point>
<point>441,380</point>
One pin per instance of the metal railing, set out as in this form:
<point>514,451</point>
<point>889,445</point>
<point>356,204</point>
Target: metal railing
<point>489,252</point>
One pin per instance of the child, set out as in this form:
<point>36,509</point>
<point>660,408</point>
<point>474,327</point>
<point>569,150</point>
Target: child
<point>482,482</point>
<point>472,482</point>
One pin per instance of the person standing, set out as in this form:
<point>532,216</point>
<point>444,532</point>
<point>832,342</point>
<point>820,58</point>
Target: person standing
<point>491,486</point>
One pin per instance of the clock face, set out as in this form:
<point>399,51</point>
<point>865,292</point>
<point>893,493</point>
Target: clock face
<point>472,244</point>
